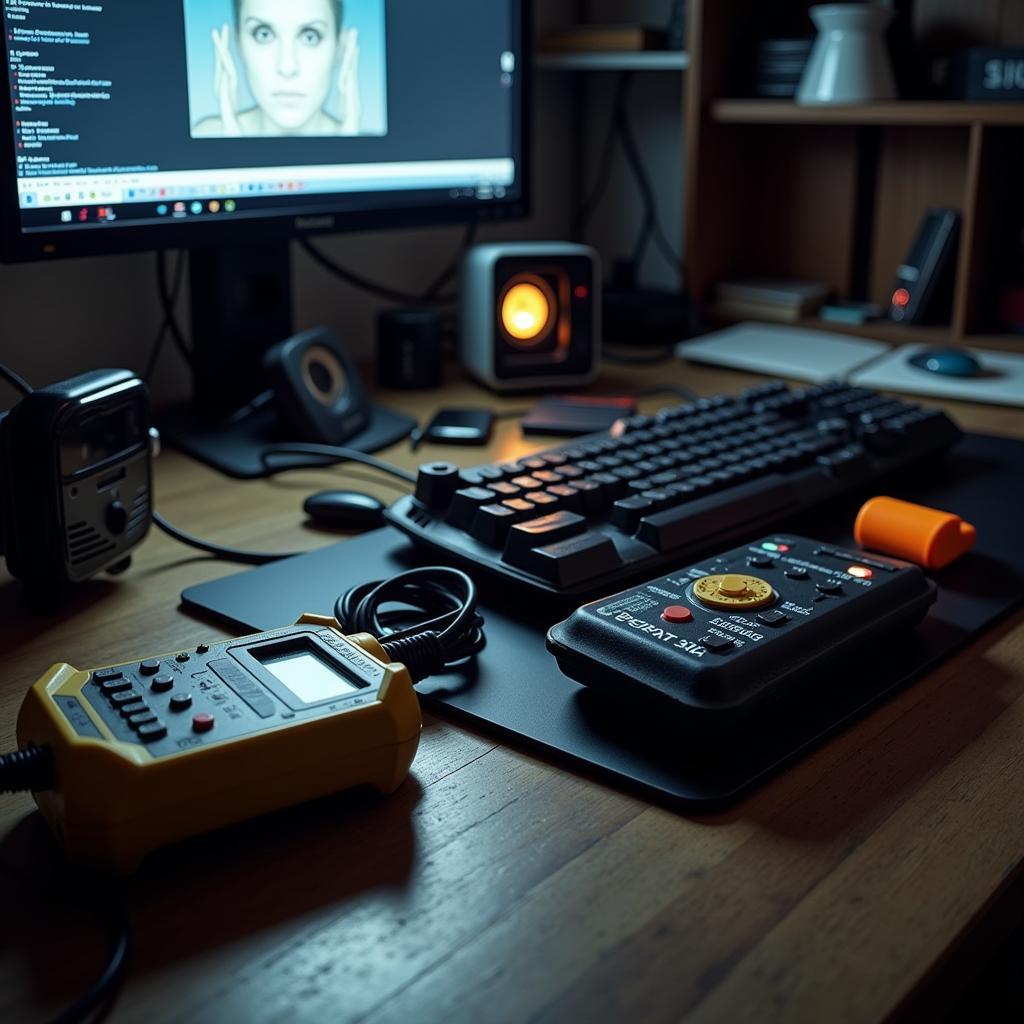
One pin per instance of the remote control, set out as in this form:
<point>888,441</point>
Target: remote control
<point>723,638</point>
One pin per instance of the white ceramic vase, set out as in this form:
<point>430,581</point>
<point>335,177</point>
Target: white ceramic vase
<point>849,62</point>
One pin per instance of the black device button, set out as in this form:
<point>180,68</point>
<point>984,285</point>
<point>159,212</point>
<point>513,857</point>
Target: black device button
<point>203,649</point>
<point>161,684</point>
<point>183,657</point>
<point>104,675</point>
<point>149,668</point>
<point>153,731</point>
<point>828,587</point>
<point>140,718</point>
<point>627,512</point>
<point>797,574</point>
<point>773,617</point>
<point>116,518</point>
<point>127,710</point>
<point>718,644</point>
<point>761,562</point>
<point>436,482</point>
<point>125,697</point>
<point>181,701</point>
<point>115,686</point>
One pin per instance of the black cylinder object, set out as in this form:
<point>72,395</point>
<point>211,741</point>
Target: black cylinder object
<point>409,349</point>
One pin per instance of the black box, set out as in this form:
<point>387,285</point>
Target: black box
<point>987,73</point>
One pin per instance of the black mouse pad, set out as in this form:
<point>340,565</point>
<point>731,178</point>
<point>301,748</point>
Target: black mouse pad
<point>517,691</point>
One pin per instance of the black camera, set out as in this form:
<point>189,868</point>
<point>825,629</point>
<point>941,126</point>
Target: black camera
<point>75,480</point>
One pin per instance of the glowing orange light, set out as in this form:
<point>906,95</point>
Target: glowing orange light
<point>900,297</point>
<point>862,572</point>
<point>525,312</point>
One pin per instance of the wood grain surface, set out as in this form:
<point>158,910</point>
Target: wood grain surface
<point>866,881</point>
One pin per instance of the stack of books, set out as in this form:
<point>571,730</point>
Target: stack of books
<point>782,301</point>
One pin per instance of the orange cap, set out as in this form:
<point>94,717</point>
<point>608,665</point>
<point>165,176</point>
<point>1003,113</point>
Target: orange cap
<point>919,534</point>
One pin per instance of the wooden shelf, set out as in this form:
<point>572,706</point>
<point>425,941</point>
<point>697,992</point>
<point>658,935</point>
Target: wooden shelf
<point>900,112</point>
<point>660,60</point>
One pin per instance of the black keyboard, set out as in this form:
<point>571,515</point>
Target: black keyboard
<point>585,517</point>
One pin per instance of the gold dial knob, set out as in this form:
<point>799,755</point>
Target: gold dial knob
<point>733,591</point>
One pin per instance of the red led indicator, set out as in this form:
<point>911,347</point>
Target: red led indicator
<point>862,572</point>
<point>782,547</point>
<point>581,291</point>
<point>900,297</point>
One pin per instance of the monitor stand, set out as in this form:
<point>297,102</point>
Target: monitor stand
<point>241,306</point>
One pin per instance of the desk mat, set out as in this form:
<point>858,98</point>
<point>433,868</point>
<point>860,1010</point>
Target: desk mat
<point>516,691</point>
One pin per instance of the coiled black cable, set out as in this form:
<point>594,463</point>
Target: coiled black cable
<point>28,770</point>
<point>432,624</point>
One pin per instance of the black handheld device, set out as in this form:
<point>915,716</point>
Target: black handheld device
<point>719,641</point>
<point>75,479</point>
<point>457,426</point>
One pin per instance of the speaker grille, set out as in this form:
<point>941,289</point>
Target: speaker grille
<point>86,544</point>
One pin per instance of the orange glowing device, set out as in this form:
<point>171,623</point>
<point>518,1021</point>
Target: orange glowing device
<point>926,536</point>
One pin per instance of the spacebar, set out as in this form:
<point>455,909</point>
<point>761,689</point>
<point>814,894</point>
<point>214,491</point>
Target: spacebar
<point>718,513</point>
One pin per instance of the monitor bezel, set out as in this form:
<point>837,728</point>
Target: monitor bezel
<point>103,240</point>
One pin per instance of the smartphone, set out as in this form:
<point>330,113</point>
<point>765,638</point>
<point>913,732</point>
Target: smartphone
<point>457,426</point>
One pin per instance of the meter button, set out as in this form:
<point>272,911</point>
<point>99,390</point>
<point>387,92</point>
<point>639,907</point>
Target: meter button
<point>153,731</point>
<point>149,668</point>
<point>106,675</point>
<point>797,574</point>
<point>141,718</point>
<point>181,701</point>
<point>127,710</point>
<point>733,592</point>
<point>718,644</point>
<point>110,686</point>
<point>202,722</point>
<point>125,697</point>
<point>203,649</point>
<point>773,617</point>
<point>761,562</point>
<point>161,684</point>
<point>829,588</point>
<point>677,613</point>
<point>183,657</point>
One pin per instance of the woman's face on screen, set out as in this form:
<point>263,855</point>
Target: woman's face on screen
<point>289,48</point>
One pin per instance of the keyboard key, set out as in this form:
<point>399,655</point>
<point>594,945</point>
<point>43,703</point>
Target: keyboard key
<point>506,490</point>
<point>491,524</point>
<point>524,537</point>
<point>465,503</point>
<point>568,497</point>
<point>627,512</point>
<point>543,500</point>
<point>527,483</point>
<point>700,520</point>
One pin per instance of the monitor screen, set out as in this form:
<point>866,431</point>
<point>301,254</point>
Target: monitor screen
<point>179,122</point>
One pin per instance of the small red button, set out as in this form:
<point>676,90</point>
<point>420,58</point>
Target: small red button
<point>202,722</point>
<point>677,613</point>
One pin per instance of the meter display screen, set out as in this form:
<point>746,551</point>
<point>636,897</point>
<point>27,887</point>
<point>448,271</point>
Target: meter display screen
<point>308,676</point>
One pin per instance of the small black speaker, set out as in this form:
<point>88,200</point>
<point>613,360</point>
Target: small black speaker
<point>923,292</point>
<point>317,387</point>
<point>530,314</point>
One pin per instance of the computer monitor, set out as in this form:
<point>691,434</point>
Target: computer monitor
<point>230,126</point>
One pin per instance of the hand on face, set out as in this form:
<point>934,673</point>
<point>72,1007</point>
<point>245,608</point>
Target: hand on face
<point>225,81</point>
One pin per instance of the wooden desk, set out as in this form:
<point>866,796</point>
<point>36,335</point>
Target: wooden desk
<point>868,878</point>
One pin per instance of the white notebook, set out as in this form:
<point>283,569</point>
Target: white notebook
<point>782,351</point>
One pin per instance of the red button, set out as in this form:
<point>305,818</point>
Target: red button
<point>677,613</point>
<point>202,722</point>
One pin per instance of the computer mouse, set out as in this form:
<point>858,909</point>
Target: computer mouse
<point>344,510</point>
<point>951,362</point>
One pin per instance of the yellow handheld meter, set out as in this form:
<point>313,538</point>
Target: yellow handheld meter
<point>152,751</point>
